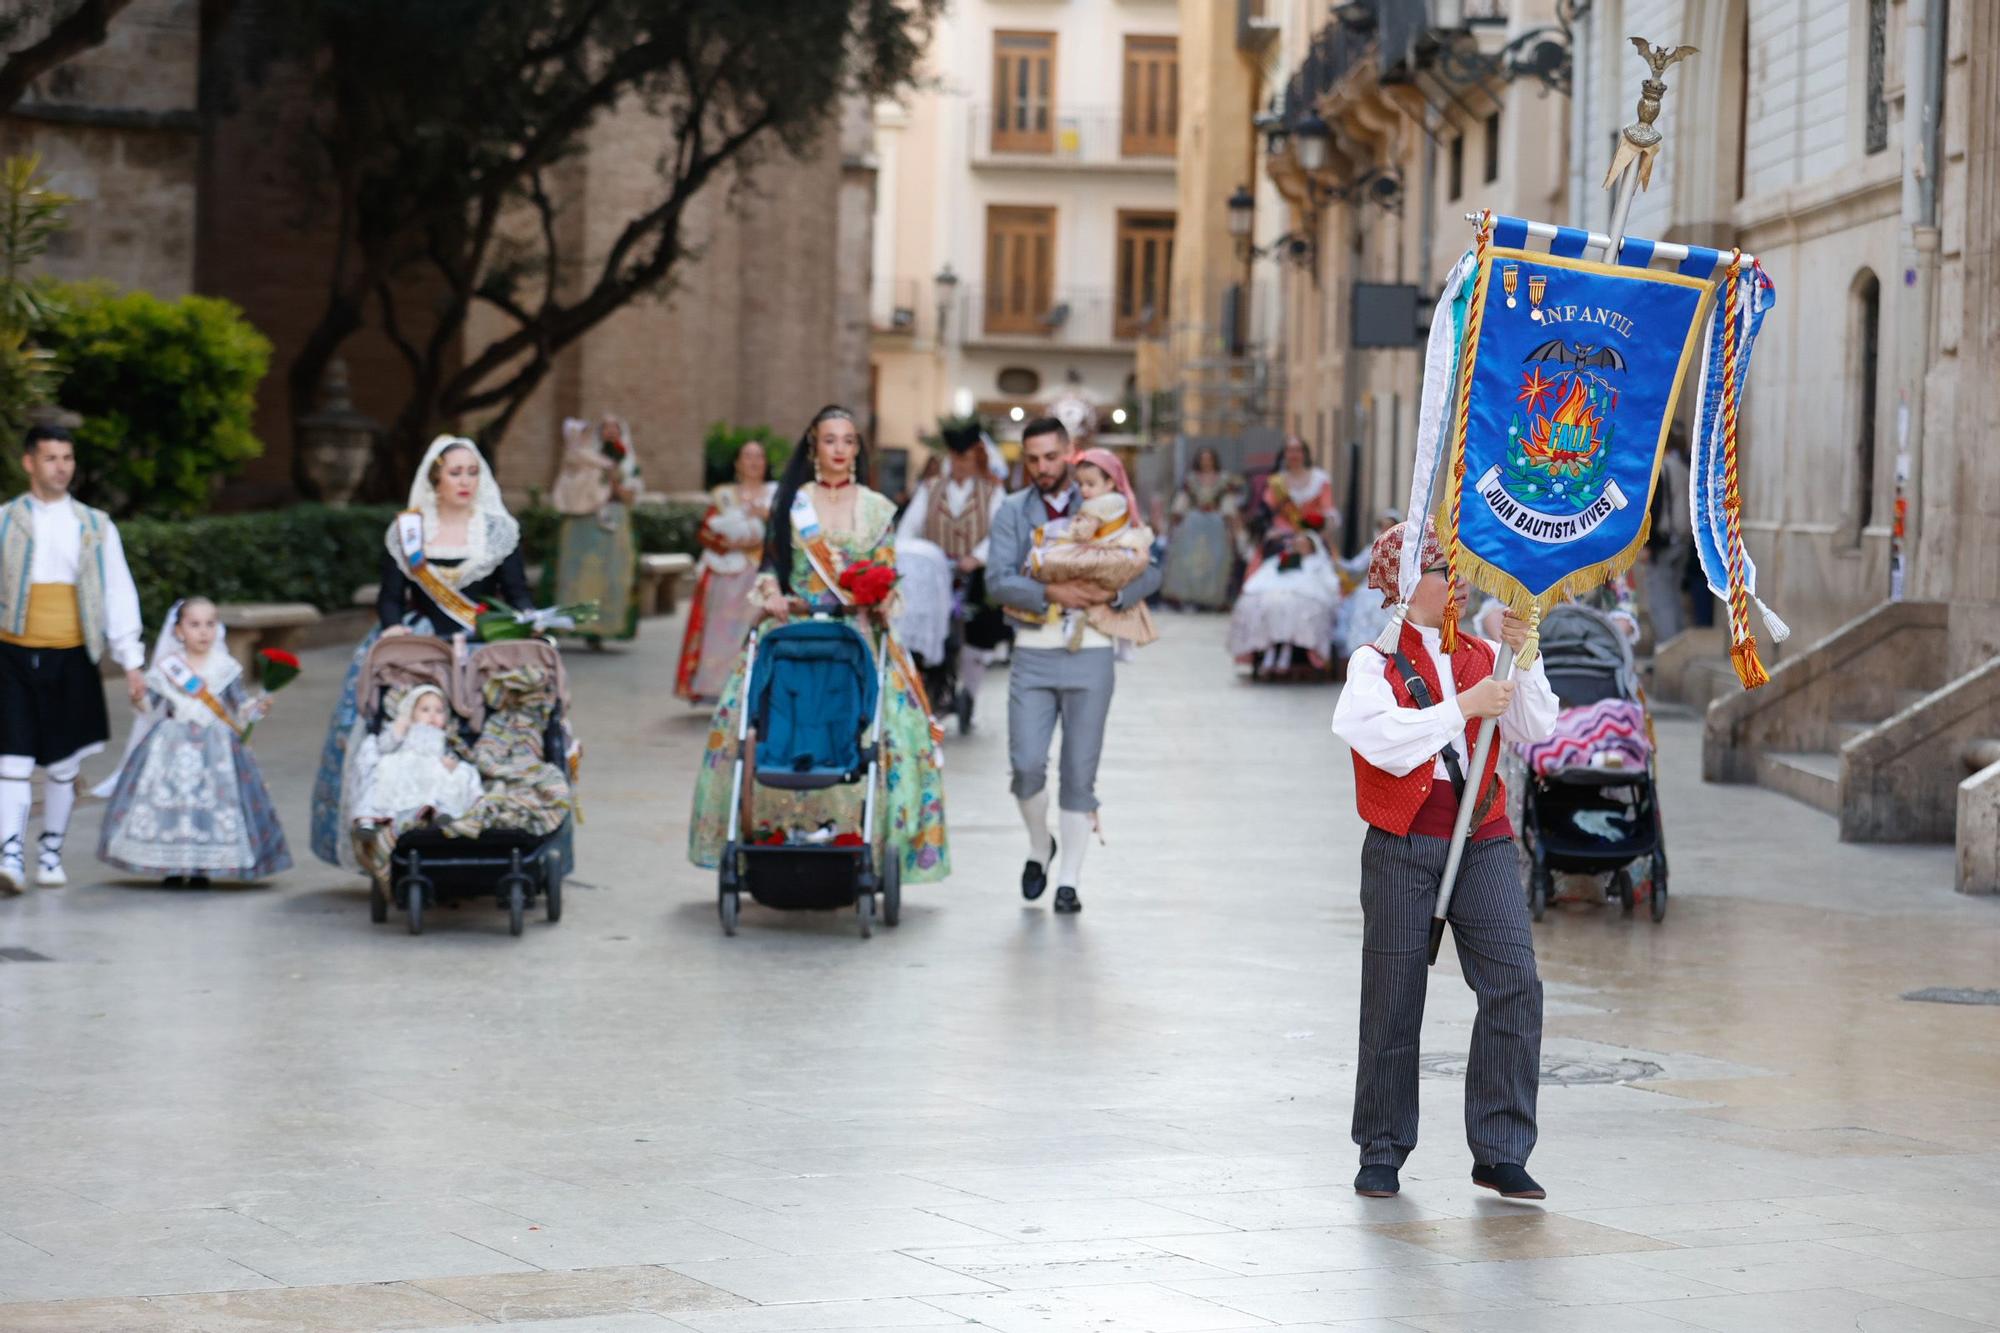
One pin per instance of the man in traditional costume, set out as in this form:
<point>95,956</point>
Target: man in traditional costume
<point>954,512</point>
<point>1046,683</point>
<point>66,598</point>
<point>1411,719</point>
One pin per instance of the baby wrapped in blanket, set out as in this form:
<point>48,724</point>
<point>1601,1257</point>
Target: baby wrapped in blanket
<point>408,776</point>
<point>1104,545</point>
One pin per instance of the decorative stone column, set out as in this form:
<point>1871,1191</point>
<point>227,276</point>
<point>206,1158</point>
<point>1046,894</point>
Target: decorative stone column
<point>336,440</point>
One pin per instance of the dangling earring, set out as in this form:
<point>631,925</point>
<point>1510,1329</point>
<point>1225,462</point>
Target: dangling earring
<point>815,459</point>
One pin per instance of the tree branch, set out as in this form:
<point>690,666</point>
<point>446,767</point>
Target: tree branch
<point>86,26</point>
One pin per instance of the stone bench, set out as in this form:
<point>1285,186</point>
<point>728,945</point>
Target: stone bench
<point>254,626</point>
<point>659,582</point>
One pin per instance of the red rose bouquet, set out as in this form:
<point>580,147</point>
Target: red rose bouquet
<point>868,583</point>
<point>276,669</point>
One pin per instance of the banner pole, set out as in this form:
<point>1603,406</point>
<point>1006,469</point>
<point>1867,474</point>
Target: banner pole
<point>1631,170</point>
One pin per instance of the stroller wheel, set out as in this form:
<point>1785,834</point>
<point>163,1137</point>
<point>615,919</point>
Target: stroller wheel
<point>1621,887</point>
<point>864,911</point>
<point>517,904</point>
<point>892,887</point>
<point>552,890</point>
<point>728,905</point>
<point>414,888</point>
<point>1659,899</point>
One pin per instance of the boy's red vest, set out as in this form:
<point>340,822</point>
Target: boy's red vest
<point>1419,802</point>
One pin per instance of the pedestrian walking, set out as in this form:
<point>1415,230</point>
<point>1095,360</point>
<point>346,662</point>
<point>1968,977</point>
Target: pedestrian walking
<point>66,599</point>
<point>1411,719</point>
<point>1046,682</point>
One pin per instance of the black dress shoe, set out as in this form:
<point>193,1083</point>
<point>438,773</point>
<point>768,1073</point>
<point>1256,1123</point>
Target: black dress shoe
<point>1377,1182</point>
<point>1509,1180</point>
<point>1035,875</point>
<point>197,881</point>
<point>1066,899</point>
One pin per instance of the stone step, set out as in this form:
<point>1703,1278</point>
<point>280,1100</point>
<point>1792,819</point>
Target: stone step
<point>1847,729</point>
<point>1708,680</point>
<point>1812,777</point>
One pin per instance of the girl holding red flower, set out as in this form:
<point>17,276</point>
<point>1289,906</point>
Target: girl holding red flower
<point>188,804</point>
<point>833,546</point>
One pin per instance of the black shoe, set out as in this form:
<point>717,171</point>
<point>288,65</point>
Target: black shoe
<point>1377,1182</point>
<point>1509,1180</point>
<point>174,881</point>
<point>197,881</point>
<point>1035,875</point>
<point>1066,900</point>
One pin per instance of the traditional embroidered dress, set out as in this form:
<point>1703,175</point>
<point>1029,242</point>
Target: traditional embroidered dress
<point>66,600</point>
<point>440,597</point>
<point>190,799</point>
<point>1401,733</point>
<point>1201,551</point>
<point>1288,602</point>
<point>1295,503</point>
<point>721,612</point>
<point>911,802</point>
<point>597,554</point>
<point>523,791</point>
<point>954,516</point>
<point>402,771</point>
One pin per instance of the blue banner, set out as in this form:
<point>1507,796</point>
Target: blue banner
<point>1576,366</point>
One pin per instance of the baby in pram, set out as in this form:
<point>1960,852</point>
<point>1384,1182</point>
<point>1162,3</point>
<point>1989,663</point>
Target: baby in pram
<point>408,776</point>
<point>1103,545</point>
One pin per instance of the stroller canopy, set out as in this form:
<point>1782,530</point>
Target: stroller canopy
<point>812,694</point>
<point>1586,657</point>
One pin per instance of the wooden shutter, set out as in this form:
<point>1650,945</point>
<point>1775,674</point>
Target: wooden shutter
<point>1024,82</point>
<point>1152,110</point>
<point>1020,267</point>
<point>1145,271</point>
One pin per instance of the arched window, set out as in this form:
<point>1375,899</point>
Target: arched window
<point>1864,359</point>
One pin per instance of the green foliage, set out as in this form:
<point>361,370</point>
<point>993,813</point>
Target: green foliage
<point>167,391</point>
<point>309,553</point>
<point>720,446</point>
<point>30,215</point>
<point>312,553</point>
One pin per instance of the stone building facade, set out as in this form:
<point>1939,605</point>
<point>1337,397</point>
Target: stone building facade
<point>176,195</point>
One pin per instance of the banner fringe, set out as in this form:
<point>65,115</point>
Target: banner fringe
<point>1749,670</point>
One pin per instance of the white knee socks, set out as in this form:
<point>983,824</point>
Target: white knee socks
<point>1076,827</point>
<point>1035,814</point>
<point>15,798</point>
<point>971,669</point>
<point>58,801</point>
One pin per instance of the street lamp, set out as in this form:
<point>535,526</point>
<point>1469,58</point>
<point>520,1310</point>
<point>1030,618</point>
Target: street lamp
<point>946,286</point>
<point>1311,140</point>
<point>1242,214</point>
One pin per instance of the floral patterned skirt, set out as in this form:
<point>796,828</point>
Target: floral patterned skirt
<point>191,801</point>
<point>910,808</point>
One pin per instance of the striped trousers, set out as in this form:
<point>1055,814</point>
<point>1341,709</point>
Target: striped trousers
<point>1496,952</point>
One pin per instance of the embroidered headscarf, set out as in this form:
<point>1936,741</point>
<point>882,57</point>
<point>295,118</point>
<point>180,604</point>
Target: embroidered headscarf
<point>1107,462</point>
<point>1385,564</point>
<point>492,534</point>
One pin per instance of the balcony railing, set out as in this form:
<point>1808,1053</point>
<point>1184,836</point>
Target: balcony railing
<point>1069,317</point>
<point>1074,136</point>
<point>1256,25</point>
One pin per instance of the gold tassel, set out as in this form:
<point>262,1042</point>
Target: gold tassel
<point>1748,669</point>
<point>1448,637</point>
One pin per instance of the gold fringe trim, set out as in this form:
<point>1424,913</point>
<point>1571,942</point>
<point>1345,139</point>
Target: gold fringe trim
<point>1492,579</point>
<point>1749,669</point>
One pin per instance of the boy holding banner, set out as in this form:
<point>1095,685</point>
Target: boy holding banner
<point>1409,715</point>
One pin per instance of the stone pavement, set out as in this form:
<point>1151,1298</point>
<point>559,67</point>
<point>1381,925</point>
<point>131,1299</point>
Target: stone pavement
<point>252,1110</point>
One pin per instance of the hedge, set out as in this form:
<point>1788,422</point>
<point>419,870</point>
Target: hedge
<point>316,554</point>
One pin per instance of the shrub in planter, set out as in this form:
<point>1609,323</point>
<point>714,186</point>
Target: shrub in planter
<point>167,391</point>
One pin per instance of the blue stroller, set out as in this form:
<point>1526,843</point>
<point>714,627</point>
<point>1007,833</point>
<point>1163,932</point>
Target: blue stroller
<point>811,719</point>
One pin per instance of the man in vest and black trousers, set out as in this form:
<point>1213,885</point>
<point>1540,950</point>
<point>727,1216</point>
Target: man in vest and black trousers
<point>1412,719</point>
<point>955,513</point>
<point>66,598</point>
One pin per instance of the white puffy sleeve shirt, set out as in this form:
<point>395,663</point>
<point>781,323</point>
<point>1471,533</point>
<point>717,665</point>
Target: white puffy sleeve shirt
<point>1397,740</point>
<point>58,559</point>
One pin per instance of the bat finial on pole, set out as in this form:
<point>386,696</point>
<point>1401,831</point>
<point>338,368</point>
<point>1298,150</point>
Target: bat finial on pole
<point>1639,143</point>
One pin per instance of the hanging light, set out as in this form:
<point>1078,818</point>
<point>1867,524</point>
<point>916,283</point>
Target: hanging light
<point>1016,414</point>
<point>1117,416</point>
<point>1242,212</point>
<point>1311,140</point>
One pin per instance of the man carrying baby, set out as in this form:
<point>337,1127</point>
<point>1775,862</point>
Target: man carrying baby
<point>1047,683</point>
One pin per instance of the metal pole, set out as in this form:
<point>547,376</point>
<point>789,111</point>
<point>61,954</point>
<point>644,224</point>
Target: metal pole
<point>1503,666</point>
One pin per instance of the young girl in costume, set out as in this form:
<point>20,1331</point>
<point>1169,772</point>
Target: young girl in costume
<point>189,805</point>
<point>1104,545</point>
